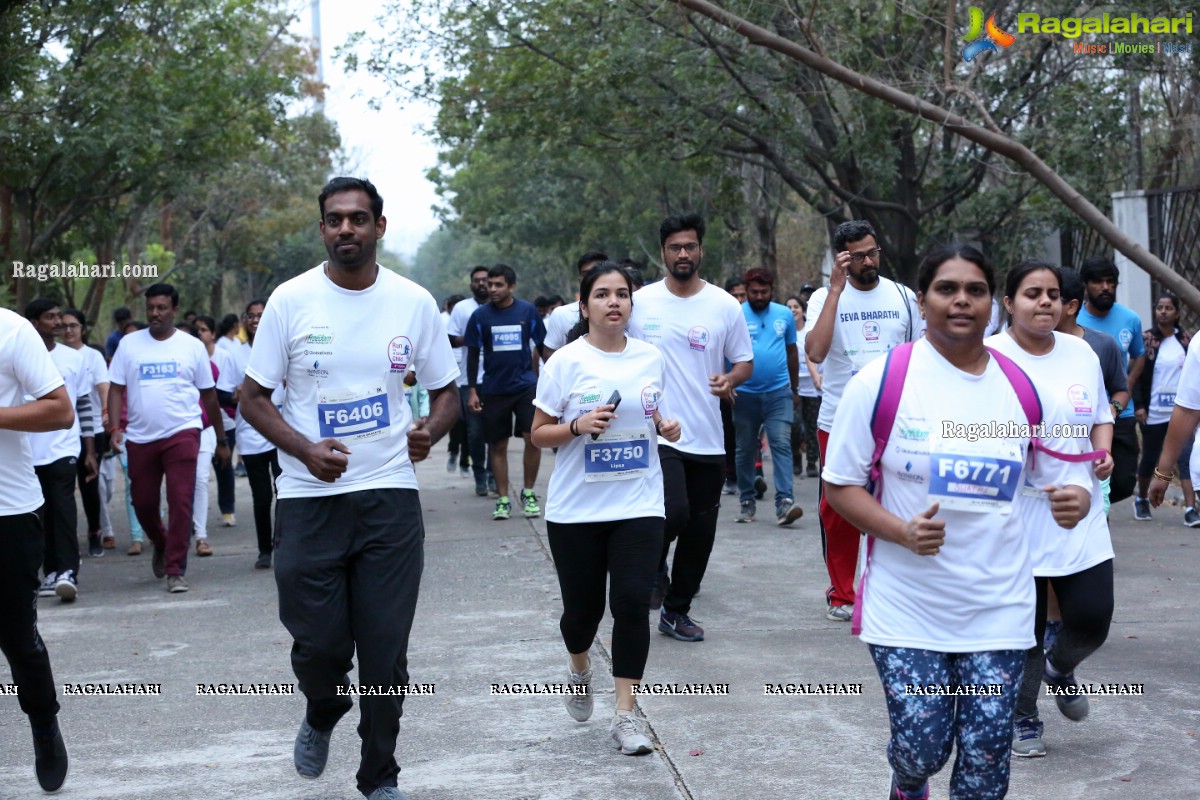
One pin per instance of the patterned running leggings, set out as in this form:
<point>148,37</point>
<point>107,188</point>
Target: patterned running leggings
<point>925,726</point>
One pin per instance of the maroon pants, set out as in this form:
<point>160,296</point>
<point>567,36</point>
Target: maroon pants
<point>174,457</point>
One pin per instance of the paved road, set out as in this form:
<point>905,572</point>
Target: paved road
<point>488,614</point>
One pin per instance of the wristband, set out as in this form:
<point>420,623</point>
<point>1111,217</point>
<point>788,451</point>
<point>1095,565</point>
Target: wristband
<point>1162,477</point>
<point>658,427</point>
<point>572,427</point>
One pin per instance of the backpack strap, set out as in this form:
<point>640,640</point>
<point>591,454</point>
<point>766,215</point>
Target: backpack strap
<point>1031,404</point>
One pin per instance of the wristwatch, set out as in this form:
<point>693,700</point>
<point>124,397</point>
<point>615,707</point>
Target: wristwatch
<point>1118,406</point>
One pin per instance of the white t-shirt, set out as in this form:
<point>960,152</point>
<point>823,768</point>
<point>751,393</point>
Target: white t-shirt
<point>162,380</point>
<point>1164,383</point>
<point>25,369</point>
<point>231,365</point>
<point>50,446</point>
<point>249,441</point>
<point>868,324</point>
<point>1070,384</point>
<point>457,326</point>
<point>1188,394</point>
<point>344,355</point>
<point>805,386</point>
<point>559,324</point>
<point>618,475</point>
<point>696,336</point>
<point>98,371</point>
<point>976,594</point>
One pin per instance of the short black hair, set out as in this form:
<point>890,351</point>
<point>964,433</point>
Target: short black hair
<point>344,184</point>
<point>164,290</point>
<point>589,257</point>
<point>1072,285</point>
<point>732,281</point>
<point>853,231</point>
<point>228,323</point>
<point>258,301</point>
<point>682,222</point>
<point>504,271</point>
<point>122,315</point>
<point>39,306</point>
<point>475,269</point>
<point>1095,268</point>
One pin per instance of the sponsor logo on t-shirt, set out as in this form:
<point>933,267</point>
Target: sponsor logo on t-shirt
<point>1126,338</point>
<point>157,371</point>
<point>319,338</point>
<point>400,353</point>
<point>1078,395</point>
<point>913,434</point>
<point>909,476</point>
<point>315,370</point>
<point>871,331</point>
<point>650,396</point>
<point>780,327</point>
<point>589,395</point>
<point>698,338</point>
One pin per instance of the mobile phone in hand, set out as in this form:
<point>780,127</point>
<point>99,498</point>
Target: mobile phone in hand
<point>614,400</point>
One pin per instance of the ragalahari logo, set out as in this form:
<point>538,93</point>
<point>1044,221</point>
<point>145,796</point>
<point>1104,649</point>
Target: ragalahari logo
<point>994,35</point>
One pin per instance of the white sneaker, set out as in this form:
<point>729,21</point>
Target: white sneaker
<point>49,585</point>
<point>579,706</point>
<point>629,732</point>
<point>65,587</point>
<point>839,613</point>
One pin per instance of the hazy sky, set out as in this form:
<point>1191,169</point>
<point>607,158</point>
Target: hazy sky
<point>385,146</point>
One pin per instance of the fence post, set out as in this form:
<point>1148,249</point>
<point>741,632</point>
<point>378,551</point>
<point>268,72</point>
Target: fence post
<point>1131,213</point>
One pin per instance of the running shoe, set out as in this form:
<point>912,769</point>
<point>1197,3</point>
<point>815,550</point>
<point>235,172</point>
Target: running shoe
<point>176,584</point>
<point>1141,509</point>
<point>95,548</point>
<point>787,512</point>
<point>897,794</point>
<point>629,732</point>
<point>839,613</point>
<point>159,563</point>
<point>228,520</point>
<point>579,706</point>
<point>662,585</point>
<point>48,585</point>
<point>49,757</point>
<point>481,487</point>
<point>452,463</point>
<point>1027,739</point>
<point>311,751</point>
<point>729,488</point>
<point>503,508</point>
<point>1072,706</point>
<point>679,626</point>
<point>65,587</point>
<point>1191,518</point>
<point>747,512</point>
<point>387,793</point>
<point>263,561</point>
<point>529,503</point>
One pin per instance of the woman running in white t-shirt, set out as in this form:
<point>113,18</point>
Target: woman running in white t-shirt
<point>946,602</point>
<point>1077,563</point>
<point>604,504</point>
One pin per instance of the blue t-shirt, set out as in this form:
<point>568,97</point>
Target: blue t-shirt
<point>505,338</point>
<point>771,331</point>
<point>1123,324</point>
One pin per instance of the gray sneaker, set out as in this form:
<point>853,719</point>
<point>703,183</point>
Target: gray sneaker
<point>176,584</point>
<point>629,732</point>
<point>387,793</point>
<point>1191,518</point>
<point>747,512</point>
<point>1071,705</point>
<point>579,706</point>
<point>312,751</point>
<point>1027,739</point>
<point>839,613</point>
<point>787,512</point>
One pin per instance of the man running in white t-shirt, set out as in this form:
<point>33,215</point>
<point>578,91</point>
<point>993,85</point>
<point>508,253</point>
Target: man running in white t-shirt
<point>27,370</point>
<point>349,538</point>
<point>565,317</point>
<point>698,327</point>
<point>166,375</point>
<point>857,319</point>
<point>456,328</point>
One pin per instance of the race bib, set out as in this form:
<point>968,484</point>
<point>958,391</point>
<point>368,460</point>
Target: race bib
<point>981,477</point>
<point>156,371</point>
<point>353,415</point>
<point>1165,399</point>
<point>506,338</point>
<point>617,455</point>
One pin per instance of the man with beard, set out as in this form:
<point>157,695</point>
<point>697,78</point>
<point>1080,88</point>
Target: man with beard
<point>456,327</point>
<point>860,317</point>
<point>768,399</point>
<point>698,328</point>
<point>349,542</point>
<point>1101,312</point>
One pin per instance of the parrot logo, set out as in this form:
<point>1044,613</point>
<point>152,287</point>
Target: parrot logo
<point>994,36</point>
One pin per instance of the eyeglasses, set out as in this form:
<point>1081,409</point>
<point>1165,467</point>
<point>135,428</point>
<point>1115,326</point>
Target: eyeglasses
<point>689,248</point>
<point>253,316</point>
<point>858,258</point>
<point>72,326</point>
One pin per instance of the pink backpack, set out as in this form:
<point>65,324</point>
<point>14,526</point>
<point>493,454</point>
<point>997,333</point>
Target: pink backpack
<point>895,370</point>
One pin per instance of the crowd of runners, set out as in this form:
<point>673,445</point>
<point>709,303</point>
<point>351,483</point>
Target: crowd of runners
<point>656,399</point>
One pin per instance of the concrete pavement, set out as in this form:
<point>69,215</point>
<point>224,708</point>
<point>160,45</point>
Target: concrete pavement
<point>489,614</point>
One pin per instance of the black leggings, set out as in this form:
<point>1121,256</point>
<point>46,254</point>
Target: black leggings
<point>1086,602</point>
<point>89,491</point>
<point>625,552</point>
<point>1125,460</point>
<point>261,470</point>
